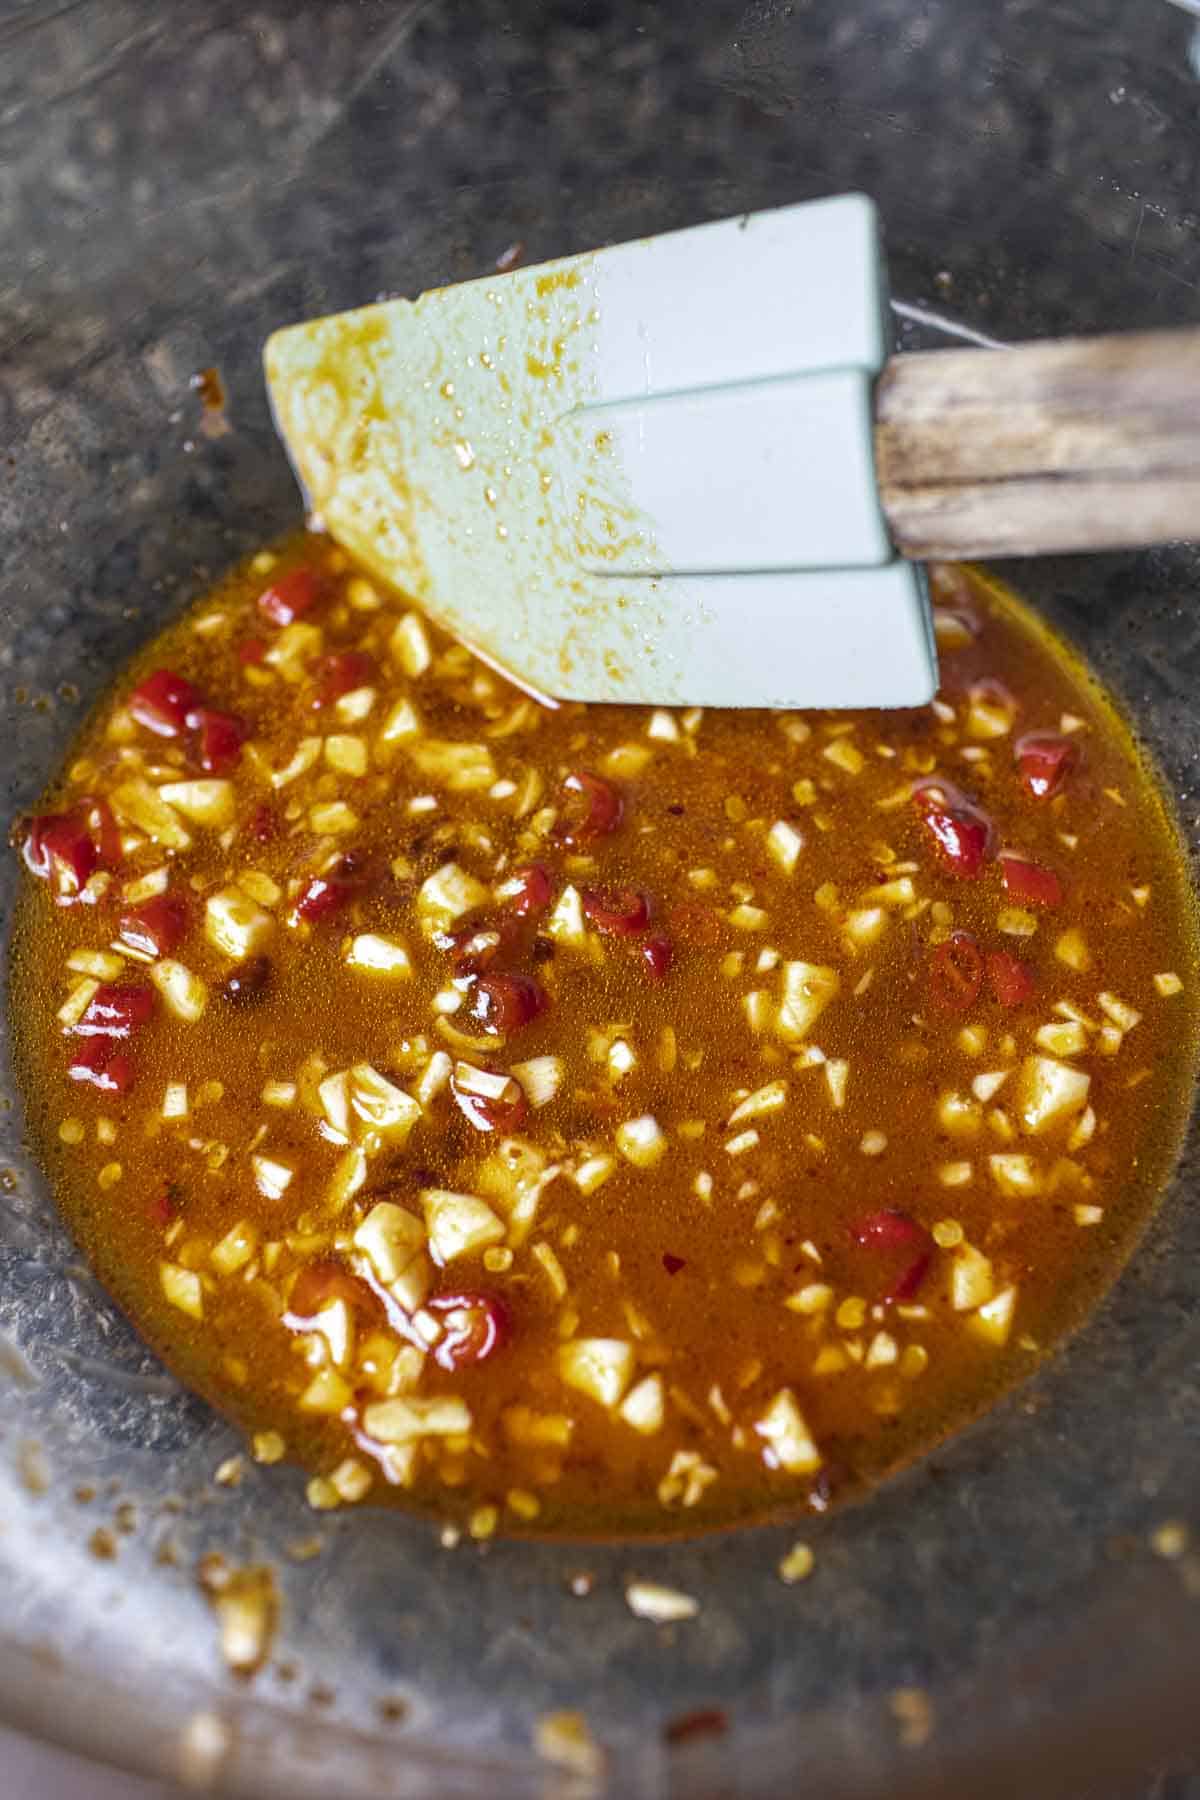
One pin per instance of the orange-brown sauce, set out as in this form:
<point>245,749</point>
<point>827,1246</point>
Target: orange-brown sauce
<point>799,1296</point>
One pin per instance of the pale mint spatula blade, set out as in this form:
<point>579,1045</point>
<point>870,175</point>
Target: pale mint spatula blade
<point>642,474</point>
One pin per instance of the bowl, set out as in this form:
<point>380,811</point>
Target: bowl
<point>1009,1612</point>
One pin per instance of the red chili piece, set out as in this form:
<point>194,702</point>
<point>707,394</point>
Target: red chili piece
<point>320,898</point>
<point>673,1264</point>
<point>290,596</point>
<point>157,926</point>
<point>221,737</point>
<point>908,1282</point>
<point>341,674</point>
<point>901,1239</point>
<point>533,894</point>
<point>476,1326</point>
<point>486,1112</point>
<point>956,973</point>
<point>1044,760</point>
<point>621,914</point>
<point>102,827</point>
<point>1030,882</point>
<point>326,894</point>
<point>475,948</point>
<point>58,848</point>
<point>962,832</point>
<point>594,808</point>
<point>116,1010</point>
<point>506,1003</point>
<point>1009,980</point>
<point>658,953</point>
<point>99,1062</point>
<point>888,1229</point>
<point>163,702</point>
<point>319,1283</point>
<point>961,840</point>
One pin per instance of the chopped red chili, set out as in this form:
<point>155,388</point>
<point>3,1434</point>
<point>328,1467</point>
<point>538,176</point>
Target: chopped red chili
<point>342,673</point>
<point>593,808</point>
<point>962,832</point>
<point>1044,760</point>
<point>505,1111</point>
<point>157,926</point>
<point>1009,979</point>
<point>658,953</point>
<point>505,1004</point>
<point>324,895</point>
<point>319,1284</point>
<point>475,1326</point>
<point>956,973</point>
<point>101,1065</point>
<point>116,1010</point>
<point>162,703</point>
<point>1029,881</point>
<point>59,849</point>
<point>532,895</point>
<point>902,1245</point>
<point>221,736</point>
<point>624,913</point>
<point>290,596</point>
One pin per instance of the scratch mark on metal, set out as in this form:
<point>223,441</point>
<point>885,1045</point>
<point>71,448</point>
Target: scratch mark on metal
<point>159,1387</point>
<point>1137,234</point>
<point>388,46</point>
<point>21,27</point>
<point>98,72</point>
<point>921,315</point>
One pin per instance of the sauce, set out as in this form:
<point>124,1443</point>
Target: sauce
<point>603,1120</point>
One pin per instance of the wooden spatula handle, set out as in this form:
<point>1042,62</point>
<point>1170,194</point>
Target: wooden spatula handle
<point>1079,444</point>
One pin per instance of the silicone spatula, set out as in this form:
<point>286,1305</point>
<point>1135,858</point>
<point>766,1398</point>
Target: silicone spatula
<point>685,471</point>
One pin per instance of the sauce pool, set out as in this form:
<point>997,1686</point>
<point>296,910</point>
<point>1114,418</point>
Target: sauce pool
<point>606,1121</point>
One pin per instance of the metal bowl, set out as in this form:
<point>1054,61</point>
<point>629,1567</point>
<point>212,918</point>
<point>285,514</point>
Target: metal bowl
<point>173,183</point>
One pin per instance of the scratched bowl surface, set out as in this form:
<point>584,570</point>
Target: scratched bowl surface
<point>174,182</point>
